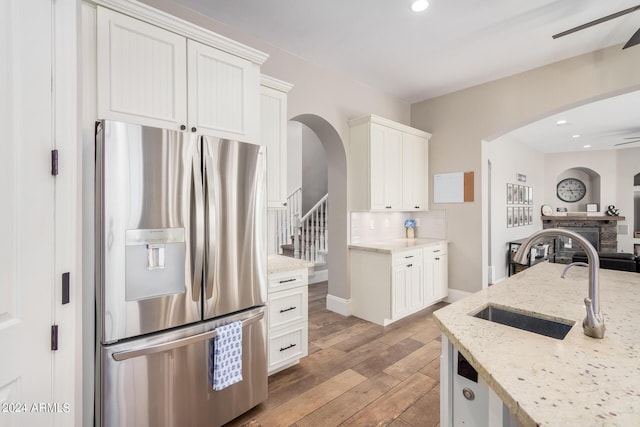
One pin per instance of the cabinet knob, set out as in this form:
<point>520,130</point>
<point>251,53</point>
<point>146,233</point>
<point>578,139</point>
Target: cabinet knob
<point>193,129</point>
<point>416,207</point>
<point>182,127</point>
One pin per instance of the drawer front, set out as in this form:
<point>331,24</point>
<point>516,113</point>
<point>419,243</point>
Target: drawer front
<point>435,250</point>
<point>287,346</point>
<point>406,257</point>
<point>288,279</point>
<point>288,307</point>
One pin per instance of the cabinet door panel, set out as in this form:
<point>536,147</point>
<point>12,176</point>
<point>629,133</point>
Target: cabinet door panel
<point>376,167</point>
<point>141,72</point>
<point>441,277</point>
<point>393,169</point>
<point>414,172</point>
<point>274,136</point>
<point>416,287</point>
<point>224,94</point>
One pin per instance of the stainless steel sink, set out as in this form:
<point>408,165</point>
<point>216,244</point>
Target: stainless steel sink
<point>526,322</point>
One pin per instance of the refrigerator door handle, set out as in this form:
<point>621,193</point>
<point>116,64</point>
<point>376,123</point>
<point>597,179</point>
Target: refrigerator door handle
<point>211,225</point>
<point>129,354</point>
<point>197,230</point>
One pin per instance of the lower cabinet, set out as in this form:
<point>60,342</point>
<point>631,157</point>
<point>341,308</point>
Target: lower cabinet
<point>436,276</point>
<point>407,288</point>
<point>386,287</point>
<point>288,314</point>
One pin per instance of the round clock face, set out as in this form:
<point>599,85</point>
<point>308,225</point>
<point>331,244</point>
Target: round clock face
<point>571,190</point>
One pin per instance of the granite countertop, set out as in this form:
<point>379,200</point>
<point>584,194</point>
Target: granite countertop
<point>578,381</point>
<point>279,263</point>
<point>396,245</point>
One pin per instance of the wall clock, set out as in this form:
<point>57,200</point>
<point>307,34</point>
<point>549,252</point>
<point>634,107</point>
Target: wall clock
<point>571,190</point>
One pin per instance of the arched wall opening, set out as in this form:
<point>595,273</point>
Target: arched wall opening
<point>600,170</point>
<point>339,291</point>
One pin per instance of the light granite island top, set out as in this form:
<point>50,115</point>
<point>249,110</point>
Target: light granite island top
<point>577,381</point>
<point>396,245</point>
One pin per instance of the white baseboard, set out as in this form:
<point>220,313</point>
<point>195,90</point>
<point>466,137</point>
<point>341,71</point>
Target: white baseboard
<point>319,276</point>
<point>456,295</point>
<point>339,305</point>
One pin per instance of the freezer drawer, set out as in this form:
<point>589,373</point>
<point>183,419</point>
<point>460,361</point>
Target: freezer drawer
<point>162,381</point>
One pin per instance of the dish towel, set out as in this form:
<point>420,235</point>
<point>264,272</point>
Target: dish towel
<point>225,356</point>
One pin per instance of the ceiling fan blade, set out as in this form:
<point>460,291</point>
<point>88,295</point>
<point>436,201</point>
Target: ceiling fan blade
<point>598,21</point>
<point>634,40</point>
<point>625,143</point>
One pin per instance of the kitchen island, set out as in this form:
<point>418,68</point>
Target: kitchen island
<point>575,381</point>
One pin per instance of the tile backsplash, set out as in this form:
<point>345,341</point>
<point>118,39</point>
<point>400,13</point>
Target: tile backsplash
<point>376,226</point>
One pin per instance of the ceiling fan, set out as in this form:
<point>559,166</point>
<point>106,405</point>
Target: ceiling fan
<point>634,40</point>
<point>632,138</point>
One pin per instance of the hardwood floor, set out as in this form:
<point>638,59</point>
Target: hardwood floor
<point>357,374</point>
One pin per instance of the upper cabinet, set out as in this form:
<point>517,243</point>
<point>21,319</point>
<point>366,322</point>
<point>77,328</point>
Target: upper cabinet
<point>142,72</point>
<point>273,111</point>
<point>389,165</point>
<point>224,93</point>
<point>155,77</point>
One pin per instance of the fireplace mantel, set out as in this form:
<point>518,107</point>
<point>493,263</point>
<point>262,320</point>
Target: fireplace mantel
<point>581,218</point>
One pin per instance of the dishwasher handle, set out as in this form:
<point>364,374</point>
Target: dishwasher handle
<point>128,354</point>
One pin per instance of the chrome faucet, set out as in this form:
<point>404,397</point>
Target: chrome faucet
<point>593,323</point>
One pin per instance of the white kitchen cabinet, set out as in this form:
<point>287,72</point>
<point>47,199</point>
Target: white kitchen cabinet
<point>155,77</point>
<point>288,315</point>
<point>386,287</point>
<point>273,111</point>
<point>389,166</point>
<point>415,170</point>
<point>223,93</point>
<point>436,273</point>
<point>407,288</point>
<point>386,168</point>
<point>142,72</point>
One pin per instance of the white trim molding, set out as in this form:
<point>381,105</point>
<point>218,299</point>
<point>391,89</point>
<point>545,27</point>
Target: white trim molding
<point>169,22</point>
<point>339,305</point>
<point>274,83</point>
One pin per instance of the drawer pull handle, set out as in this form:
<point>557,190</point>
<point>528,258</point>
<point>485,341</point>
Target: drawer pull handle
<point>287,347</point>
<point>287,309</point>
<point>436,250</point>
<point>410,256</point>
<point>288,280</point>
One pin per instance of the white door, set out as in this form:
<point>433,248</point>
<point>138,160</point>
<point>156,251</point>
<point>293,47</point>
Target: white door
<point>26,213</point>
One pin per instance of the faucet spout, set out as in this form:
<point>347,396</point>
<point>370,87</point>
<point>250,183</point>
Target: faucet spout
<point>593,324</point>
<point>573,264</point>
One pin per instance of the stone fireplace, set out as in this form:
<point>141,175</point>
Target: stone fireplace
<point>605,226</point>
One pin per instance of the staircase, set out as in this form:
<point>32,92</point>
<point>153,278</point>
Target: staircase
<point>303,237</point>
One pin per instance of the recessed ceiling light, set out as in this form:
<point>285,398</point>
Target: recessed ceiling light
<point>587,146</point>
<point>561,122</point>
<point>419,5</point>
<point>575,136</point>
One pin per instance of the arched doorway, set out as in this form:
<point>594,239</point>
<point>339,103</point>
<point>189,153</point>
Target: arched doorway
<point>339,291</point>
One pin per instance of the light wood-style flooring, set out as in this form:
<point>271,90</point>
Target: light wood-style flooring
<point>357,374</point>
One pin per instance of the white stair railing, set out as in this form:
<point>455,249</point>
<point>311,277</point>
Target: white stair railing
<point>287,219</point>
<point>310,241</point>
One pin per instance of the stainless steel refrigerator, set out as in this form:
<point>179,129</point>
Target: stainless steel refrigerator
<point>181,251</point>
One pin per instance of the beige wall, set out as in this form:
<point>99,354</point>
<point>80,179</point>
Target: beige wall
<point>461,120</point>
<point>317,92</point>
